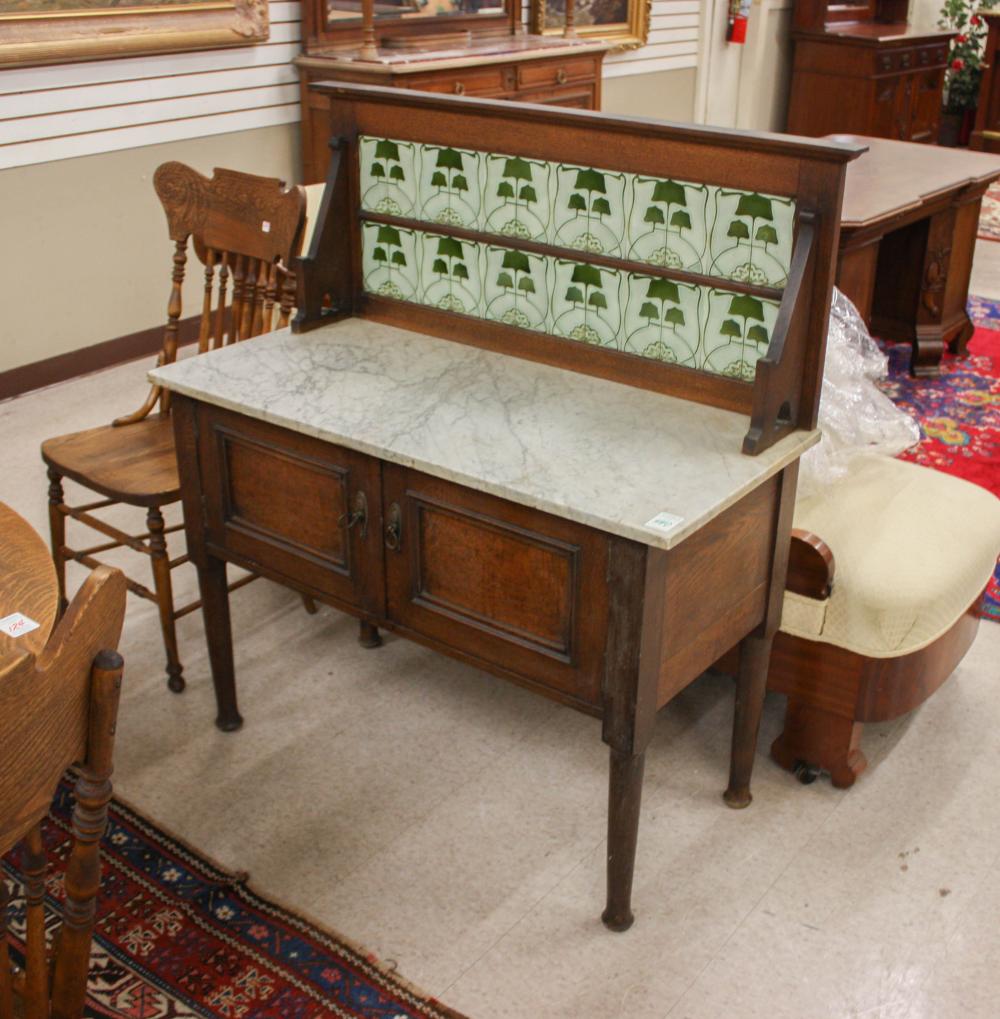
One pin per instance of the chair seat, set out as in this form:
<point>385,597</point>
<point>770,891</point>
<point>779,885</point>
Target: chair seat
<point>135,463</point>
<point>913,547</point>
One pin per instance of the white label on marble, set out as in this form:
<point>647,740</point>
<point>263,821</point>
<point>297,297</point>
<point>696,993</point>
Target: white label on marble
<point>17,625</point>
<point>664,521</point>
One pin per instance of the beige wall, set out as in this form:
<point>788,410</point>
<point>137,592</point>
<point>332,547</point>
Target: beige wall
<point>87,257</point>
<point>668,95</point>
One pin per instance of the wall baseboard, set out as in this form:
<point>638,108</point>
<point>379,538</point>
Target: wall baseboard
<point>63,367</point>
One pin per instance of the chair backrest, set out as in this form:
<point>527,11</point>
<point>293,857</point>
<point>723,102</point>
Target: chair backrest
<point>57,710</point>
<point>245,231</point>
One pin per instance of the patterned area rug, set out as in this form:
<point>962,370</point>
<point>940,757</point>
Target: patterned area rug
<point>959,414</point>
<point>989,218</point>
<point>178,938</point>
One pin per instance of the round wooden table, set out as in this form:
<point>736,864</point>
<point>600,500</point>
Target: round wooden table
<point>27,583</point>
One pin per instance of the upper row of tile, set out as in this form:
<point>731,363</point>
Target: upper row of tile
<point>729,234</point>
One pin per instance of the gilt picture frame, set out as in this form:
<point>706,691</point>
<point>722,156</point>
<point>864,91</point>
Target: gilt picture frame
<point>36,32</point>
<point>626,22</point>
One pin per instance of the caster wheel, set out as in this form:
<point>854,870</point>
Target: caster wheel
<point>806,773</point>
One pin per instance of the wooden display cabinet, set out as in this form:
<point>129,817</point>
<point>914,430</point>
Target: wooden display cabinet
<point>475,50</point>
<point>860,68</point>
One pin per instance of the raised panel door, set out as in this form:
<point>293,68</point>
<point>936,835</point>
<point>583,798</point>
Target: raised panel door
<point>509,587</point>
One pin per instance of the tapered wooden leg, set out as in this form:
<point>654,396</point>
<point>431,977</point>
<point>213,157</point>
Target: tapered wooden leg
<point>624,801</point>
<point>820,738</point>
<point>218,633</point>
<point>57,528</point>
<point>751,684</point>
<point>368,635</point>
<point>164,597</point>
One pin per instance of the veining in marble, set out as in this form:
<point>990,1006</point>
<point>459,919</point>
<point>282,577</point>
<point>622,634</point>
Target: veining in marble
<point>604,454</point>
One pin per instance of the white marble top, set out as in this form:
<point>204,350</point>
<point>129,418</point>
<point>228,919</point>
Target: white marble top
<point>598,452</point>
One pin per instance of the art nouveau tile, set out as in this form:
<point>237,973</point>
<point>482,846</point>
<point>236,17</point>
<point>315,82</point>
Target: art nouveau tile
<point>516,288</point>
<point>751,237</point>
<point>388,176</point>
<point>516,198</point>
<point>451,278</point>
<point>450,187</point>
<point>389,261</point>
<point>585,302</point>
<point>663,320</point>
<point>589,210</point>
<point>668,223</point>
<point>737,332</point>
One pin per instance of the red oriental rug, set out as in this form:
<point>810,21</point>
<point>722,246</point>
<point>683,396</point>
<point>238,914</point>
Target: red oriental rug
<point>178,938</point>
<point>958,413</point>
<point>989,217</point>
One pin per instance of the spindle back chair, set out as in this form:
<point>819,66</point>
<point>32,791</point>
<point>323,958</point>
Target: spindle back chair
<point>245,230</point>
<point>57,710</point>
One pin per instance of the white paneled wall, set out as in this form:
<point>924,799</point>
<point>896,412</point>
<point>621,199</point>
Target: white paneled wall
<point>66,110</point>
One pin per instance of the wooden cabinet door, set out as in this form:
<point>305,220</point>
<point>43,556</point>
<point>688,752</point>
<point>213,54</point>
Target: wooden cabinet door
<point>506,587</point>
<point>925,106</point>
<point>889,117</point>
<point>292,507</point>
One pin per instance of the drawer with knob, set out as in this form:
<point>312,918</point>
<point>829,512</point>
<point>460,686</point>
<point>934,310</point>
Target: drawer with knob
<point>538,74</point>
<point>478,81</point>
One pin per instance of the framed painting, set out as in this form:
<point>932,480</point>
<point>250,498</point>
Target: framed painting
<point>57,31</point>
<point>624,21</point>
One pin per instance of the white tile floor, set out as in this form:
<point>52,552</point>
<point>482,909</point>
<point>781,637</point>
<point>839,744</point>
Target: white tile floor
<point>455,824</point>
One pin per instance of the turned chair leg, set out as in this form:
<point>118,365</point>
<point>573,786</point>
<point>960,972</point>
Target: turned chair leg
<point>164,597</point>
<point>57,528</point>
<point>368,635</point>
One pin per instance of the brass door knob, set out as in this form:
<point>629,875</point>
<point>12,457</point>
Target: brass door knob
<point>561,76</point>
<point>459,89</point>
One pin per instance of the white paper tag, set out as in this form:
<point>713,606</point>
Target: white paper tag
<point>17,625</point>
<point>664,521</point>
<point>265,227</point>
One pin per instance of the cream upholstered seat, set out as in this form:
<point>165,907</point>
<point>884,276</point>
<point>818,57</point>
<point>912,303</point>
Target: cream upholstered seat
<point>913,548</point>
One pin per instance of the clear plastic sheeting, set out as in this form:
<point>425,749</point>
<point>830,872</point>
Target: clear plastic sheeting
<point>856,417</point>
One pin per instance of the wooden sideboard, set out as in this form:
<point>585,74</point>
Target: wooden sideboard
<point>523,68</point>
<point>866,75</point>
<point>986,133</point>
<point>541,410</point>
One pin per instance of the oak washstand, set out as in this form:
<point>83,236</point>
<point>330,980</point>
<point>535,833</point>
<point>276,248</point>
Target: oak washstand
<point>541,408</point>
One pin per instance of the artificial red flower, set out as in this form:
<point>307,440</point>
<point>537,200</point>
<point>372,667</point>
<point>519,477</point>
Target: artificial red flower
<point>961,39</point>
<point>975,20</point>
<point>957,65</point>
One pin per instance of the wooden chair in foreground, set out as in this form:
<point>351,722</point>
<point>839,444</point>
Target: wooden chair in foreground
<point>245,231</point>
<point>57,710</point>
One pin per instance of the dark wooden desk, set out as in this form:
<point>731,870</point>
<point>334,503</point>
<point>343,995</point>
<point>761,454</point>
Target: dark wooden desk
<point>907,235</point>
<point>27,583</point>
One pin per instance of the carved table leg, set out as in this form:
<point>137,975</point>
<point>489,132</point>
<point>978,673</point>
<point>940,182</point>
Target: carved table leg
<point>929,339</point>
<point>823,739</point>
<point>368,635</point>
<point>218,633</point>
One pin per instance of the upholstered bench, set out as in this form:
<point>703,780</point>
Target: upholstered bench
<point>887,571</point>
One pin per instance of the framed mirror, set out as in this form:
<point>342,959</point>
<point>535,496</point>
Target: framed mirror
<point>341,11</point>
<point>57,31</point>
<point>624,21</point>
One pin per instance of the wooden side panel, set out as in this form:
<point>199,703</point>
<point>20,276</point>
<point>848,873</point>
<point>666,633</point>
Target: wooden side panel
<point>301,511</point>
<point>497,582</point>
<point>717,587</point>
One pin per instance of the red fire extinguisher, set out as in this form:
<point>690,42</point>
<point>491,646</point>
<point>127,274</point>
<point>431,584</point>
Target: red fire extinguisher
<point>736,29</point>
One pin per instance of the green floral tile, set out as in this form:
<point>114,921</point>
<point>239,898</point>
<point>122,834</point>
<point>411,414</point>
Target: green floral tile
<point>589,210</point>
<point>451,192</point>
<point>516,200</point>
<point>389,261</point>
<point>585,302</point>
<point>663,320</point>
<point>668,223</point>
<point>451,278</point>
<point>751,237</point>
<point>389,178</point>
<point>737,331</point>
<point>516,288</point>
